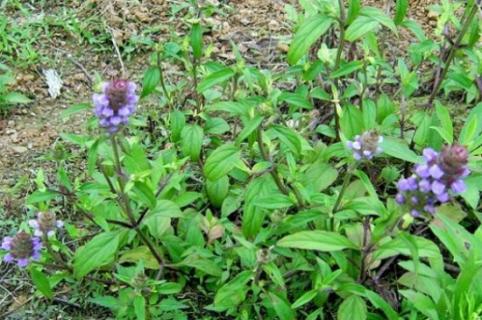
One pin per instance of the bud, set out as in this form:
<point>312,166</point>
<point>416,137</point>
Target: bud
<point>116,103</point>
<point>45,224</point>
<point>453,160</point>
<point>22,248</point>
<point>366,146</point>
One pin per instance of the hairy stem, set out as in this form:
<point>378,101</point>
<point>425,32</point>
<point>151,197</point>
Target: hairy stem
<point>336,207</point>
<point>341,44</point>
<point>163,84</point>
<point>128,210</point>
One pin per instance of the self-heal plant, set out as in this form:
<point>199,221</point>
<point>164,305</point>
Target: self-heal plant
<point>434,181</point>
<point>45,224</point>
<point>366,146</point>
<point>22,248</point>
<point>115,104</point>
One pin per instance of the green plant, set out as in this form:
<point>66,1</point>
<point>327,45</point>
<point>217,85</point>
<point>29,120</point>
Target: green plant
<point>9,99</point>
<point>248,193</point>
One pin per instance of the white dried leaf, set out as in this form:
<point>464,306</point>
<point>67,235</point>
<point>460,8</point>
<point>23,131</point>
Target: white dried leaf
<point>53,81</point>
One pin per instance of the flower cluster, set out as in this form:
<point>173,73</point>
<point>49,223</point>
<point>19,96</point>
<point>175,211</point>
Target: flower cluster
<point>45,224</point>
<point>115,104</point>
<point>21,248</point>
<point>366,146</point>
<point>435,181</point>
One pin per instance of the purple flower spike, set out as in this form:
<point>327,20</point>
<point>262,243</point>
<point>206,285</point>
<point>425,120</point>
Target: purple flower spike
<point>435,181</point>
<point>115,104</point>
<point>21,249</point>
<point>366,146</point>
<point>45,224</point>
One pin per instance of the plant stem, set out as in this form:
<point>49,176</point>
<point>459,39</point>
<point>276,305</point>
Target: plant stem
<point>161,79</point>
<point>346,181</point>
<point>341,44</point>
<point>265,155</point>
<point>453,50</point>
<point>194,76</point>
<point>128,210</point>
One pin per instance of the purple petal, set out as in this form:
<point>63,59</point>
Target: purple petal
<point>8,258</point>
<point>443,197</point>
<point>115,120</point>
<point>429,208</point>
<point>6,243</point>
<point>414,200</point>
<point>357,156</point>
<point>124,111</point>
<point>422,171</point>
<point>107,112</point>
<point>399,198</point>
<point>436,172</point>
<point>458,186</point>
<point>415,213</point>
<point>356,145</point>
<point>429,154</point>
<point>438,187</point>
<point>424,185</point>
<point>22,263</point>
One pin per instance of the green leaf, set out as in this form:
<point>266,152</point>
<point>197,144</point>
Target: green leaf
<point>422,303</point>
<point>249,127</point>
<point>305,298</point>
<point>41,196</point>
<point>215,78</point>
<point>317,240</point>
<point>296,99</point>
<point>205,265</point>
<point>361,26</point>
<point>281,307</point>
<point>217,190</point>
<point>353,11</point>
<point>378,15</point>
<point>352,308</point>
<point>309,31</point>
<point>469,131</point>
<point>143,254</point>
<point>221,161</point>
<point>400,11</point>
<point>145,193</point>
<point>216,126</point>
<point>191,141</point>
<point>177,123</point>
<point>274,201</point>
<point>399,149</point>
<point>346,69</point>
<point>232,293</point>
<point>426,248</point>
<point>140,307</point>
<point>99,251</point>
<point>445,122</point>
<point>15,98</point>
<point>196,40</point>
<point>41,282</point>
<point>351,121</point>
<point>151,79</point>
<point>76,108</point>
